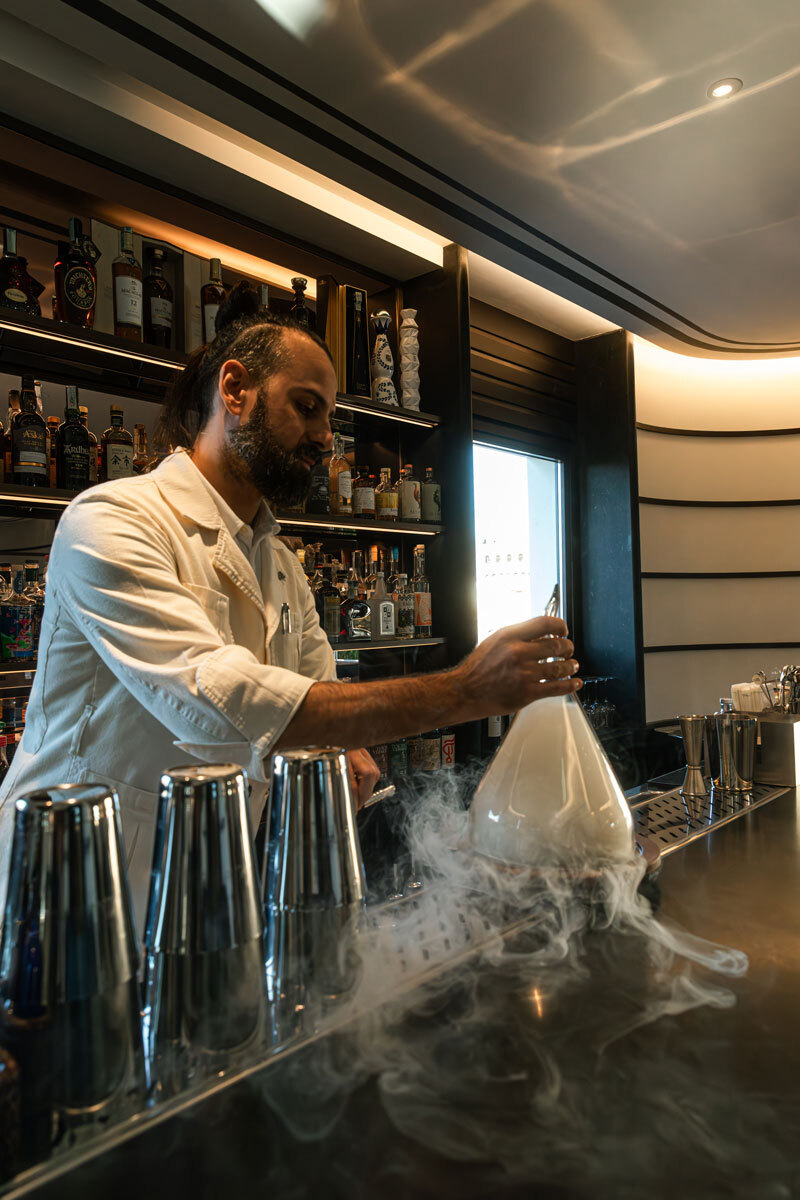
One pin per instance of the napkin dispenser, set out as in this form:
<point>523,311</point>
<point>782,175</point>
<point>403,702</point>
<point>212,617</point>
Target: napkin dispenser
<point>778,762</point>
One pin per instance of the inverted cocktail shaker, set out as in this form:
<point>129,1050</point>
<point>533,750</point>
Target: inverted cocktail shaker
<point>204,979</point>
<point>69,997</point>
<point>313,879</point>
<point>736,736</point>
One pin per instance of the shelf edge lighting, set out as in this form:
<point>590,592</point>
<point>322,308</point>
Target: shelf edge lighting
<point>289,520</point>
<point>93,346</point>
<point>23,501</point>
<point>388,416</point>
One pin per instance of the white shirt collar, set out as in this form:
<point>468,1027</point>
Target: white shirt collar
<point>249,536</point>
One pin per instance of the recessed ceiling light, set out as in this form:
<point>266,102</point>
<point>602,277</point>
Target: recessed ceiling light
<point>724,88</point>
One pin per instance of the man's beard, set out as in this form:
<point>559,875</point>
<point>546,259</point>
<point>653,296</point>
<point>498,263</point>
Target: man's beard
<point>251,452</point>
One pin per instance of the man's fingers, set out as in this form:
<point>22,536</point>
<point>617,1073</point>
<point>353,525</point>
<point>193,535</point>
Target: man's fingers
<point>537,627</point>
<point>556,670</point>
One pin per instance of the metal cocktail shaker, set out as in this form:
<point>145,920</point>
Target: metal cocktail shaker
<point>69,997</point>
<point>204,980</point>
<point>314,885</point>
<point>736,736</point>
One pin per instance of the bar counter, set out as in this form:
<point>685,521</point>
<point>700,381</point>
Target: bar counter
<point>541,1071</point>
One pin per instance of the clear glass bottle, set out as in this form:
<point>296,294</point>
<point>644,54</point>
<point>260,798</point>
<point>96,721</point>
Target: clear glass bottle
<point>74,447</point>
<point>29,461</point>
<point>158,303</point>
<point>298,311</point>
<point>126,271</point>
<point>393,569</point>
<point>35,592</point>
<point>363,495</point>
<point>93,447</point>
<point>357,574</point>
<point>374,567</point>
<point>410,509</point>
<point>340,478</point>
<point>386,498</point>
<point>211,296</point>
<point>17,619</point>
<point>383,615</point>
<point>423,618</point>
<point>431,501</point>
<point>356,624</point>
<point>116,448</point>
<point>404,599</point>
<point>141,460</point>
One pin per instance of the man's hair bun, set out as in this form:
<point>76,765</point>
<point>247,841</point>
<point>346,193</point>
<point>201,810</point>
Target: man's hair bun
<point>242,301</point>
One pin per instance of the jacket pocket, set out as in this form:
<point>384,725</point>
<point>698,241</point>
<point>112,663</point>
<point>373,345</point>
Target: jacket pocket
<point>76,745</point>
<point>216,606</point>
<point>284,651</point>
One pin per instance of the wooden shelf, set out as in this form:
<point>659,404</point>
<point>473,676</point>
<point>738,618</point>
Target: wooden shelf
<point>388,644</point>
<point>358,525</point>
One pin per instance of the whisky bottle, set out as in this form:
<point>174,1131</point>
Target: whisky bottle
<point>74,449</point>
<point>16,620</point>
<point>141,460</point>
<point>340,478</point>
<point>356,624</point>
<point>211,296</point>
<point>431,750</point>
<point>363,495</point>
<point>382,610</point>
<point>93,448</point>
<point>422,595</point>
<point>319,497</point>
<point>404,600</point>
<point>29,463</point>
<point>52,451</point>
<point>19,292</point>
<point>13,407</point>
<point>448,748</point>
<point>76,278</point>
<point>116,448</point>
<point>431,499</point>
<point>158,308</point>
<point>127,273</point>
<point>298,311</point>
<point>410,509</point>
<point>398,759</point>
<point>385,497</point>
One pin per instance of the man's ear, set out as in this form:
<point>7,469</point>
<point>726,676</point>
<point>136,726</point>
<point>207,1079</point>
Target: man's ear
<point>234,381</point>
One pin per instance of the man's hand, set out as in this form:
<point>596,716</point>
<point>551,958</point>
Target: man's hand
<point>364,774</point>
<point>508,669</point>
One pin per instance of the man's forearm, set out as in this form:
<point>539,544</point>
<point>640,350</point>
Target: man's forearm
<point>366,714</point>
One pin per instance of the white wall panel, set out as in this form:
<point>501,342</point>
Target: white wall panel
<point>704,468</point>
<point>693,681</point>
<point>720,539</point>
<point>680,611</point>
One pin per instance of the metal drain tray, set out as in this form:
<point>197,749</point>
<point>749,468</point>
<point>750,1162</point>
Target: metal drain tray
<point>671,822</point>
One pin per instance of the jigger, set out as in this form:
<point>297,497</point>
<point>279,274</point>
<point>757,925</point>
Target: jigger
<point>694,791</point>
<point>314,884</point>
<point>69,997</point>
<point>204,968</point>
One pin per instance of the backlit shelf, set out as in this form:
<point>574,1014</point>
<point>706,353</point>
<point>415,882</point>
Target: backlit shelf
<point>388,644</point>
<point>358,525</point>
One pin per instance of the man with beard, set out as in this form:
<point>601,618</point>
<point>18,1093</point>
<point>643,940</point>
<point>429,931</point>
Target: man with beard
<point>178,627</point>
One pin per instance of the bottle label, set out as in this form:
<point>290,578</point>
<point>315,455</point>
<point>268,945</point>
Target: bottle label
<point>398,759</point>
<point>30,450</point>
<point>79,287</point>
<point>16,630</point>
<point>494,726</point>
<point>405,616</point>
<point>344,486</point>
<point>386,504</point>
<point>448,749</point>
<point>431,503</point>
<point>161,312</point>
<point>381,756</point>
<point>209,317</point>
<point>128,297</point>
<point>119,460</point>
<point>422,609</point>
<point>386,618</point>
<point>15,295</point>
<point>332,616</point>
<point>363,500</point>
<point>75,461</point>
<point>431,753</point>
<point>415,754</point>
<point>409,501</point>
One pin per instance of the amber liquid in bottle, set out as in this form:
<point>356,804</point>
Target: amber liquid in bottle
<point>127,275</point>
<point>158,310</point>
<point>116,448</point>
<point>211,296</point>
<point>75,280</point>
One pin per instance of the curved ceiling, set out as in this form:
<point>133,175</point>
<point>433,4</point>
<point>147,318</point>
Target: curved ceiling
<point>570,141</point>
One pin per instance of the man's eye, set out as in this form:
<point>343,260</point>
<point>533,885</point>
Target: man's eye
<point>306,409</point>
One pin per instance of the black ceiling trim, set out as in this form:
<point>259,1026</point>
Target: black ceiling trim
<point>95,9</point>
<point>202,70</point>
<point>720,574</point>
<point>722,646</point>
<point>717,433</point>
<point>718,503</point>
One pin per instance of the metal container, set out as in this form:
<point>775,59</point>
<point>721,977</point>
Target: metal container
<point>69,997</point>
<point>205,998</point>
<point>314,889</point>
<point>693,732</point>
<point>736,736</point>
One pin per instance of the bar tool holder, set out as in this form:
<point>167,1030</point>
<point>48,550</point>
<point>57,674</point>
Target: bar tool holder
<point>205,1003</point>
<point>69,995</point>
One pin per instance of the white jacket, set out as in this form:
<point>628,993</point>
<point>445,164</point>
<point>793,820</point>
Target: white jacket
<point>151,654</point>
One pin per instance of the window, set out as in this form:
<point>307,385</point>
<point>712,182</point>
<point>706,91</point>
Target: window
<point>519,535</point>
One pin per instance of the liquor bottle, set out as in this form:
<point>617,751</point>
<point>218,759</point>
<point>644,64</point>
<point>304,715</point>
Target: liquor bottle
<point>29,463</point>
<point>374,567</point>
<point>363,495</point>
<point>448,748</point>
<point>409,496</point>
<point>4,763</point>
<point>141,460</point>
<point>158,308</point>
<point>382,610</point>
<point>393,569</point>
<point>19,292</point>
<point>52,451</point>
<point>116,448</point>
<point>358,358</point>
<point>416,753</point>
<point>398,759</point>
<point>211,296</point>
<point>265,296</point>
<point>319,496</point>
<point>404,599</point>
<point>340,478</point>
<point>422,595</point>
<point>298,311</point>
<point>385,497</point>
<point>355,615</point>
<point>35,592</point>
<point>431,750</point>
<point>494,733</point>
<point>357,574</point>
<point>329,606</point>
<point>76,278</point>
<point>431,499</point>
<point>93,449</point>
<point>380,754</point>
<point>127,273</point>
<point>16,620</point>
<point>74,447</point>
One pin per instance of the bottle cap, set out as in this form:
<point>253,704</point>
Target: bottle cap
<point>215,267</point>
<point>158,254</point>
<point>126,239</point>
<point>9,241</point>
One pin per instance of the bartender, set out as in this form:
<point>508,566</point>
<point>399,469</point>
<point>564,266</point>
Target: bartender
<point>177,625</point>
